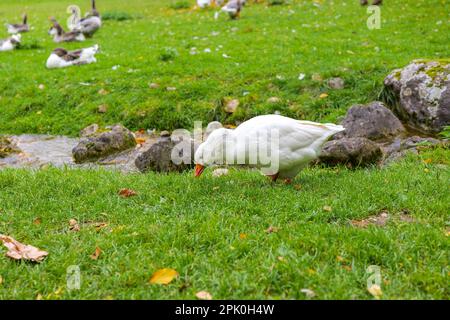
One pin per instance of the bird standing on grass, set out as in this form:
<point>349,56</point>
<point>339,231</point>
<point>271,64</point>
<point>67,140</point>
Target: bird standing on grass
<point>290,144</point>
<point>91,23</point>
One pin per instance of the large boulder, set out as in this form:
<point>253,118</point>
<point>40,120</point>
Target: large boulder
<point>422,90</point>
<point>168,154</point>
<point>7,147</point>
<point>373,121</point>
<point>102,143</point>
<point>351,151</point>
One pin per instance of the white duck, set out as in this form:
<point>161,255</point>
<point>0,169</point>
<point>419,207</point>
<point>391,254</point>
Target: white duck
<point>19,27</point>
<point>10,43</point>
<point>278,145</point>
<point>233,8</point>
<point>61,58</point>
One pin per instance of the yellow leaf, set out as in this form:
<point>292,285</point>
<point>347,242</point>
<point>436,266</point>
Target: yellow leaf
<point>375,291</point>
<point>323,95</point>
<point>242,236</point>
<point>427,161</point>
<point>1,280</point>
<point>203,295</point>
<point>163,276</point>
<point>327,208</point>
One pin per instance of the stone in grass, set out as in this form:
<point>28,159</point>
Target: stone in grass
<point>103,143</point>
<point>373,121</point>
<point>351,151</point>
<point>7,147</point>
<point>336,83</point>
<point>422,94</point>
<point>167,155</point>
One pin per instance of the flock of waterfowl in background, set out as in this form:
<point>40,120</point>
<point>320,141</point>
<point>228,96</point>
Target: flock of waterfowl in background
<point>82,28</point>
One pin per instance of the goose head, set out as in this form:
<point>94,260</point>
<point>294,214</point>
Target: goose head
<point>15,39</point>
<point>212,151</point>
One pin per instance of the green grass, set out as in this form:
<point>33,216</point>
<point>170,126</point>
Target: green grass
<point>267,42</point>
<point>194,226</point>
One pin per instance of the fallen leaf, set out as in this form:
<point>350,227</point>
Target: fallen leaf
<point>18,251</point>
<point>203,295</point>
<point>298,187</point>
<point>308,292</point>
<point>103,92</point>
<point>271,229</point>
<point>242,236</point>
<point>231,106</point>
<point>1,280</point>
<point>37,221</point>
<point>427,161</point>
<point>327,208</point>
<point>73,225</point>
<point>375,290</point>
<point>140,140</point>
<point>163,276</point>
<point>96,253</point>
<point>100,226</point>
<point>323,95</point>
<point>340,259</point>
<point>39,296</point>
<point>126,193</point>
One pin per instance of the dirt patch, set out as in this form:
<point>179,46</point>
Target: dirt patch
<point>381,219</point>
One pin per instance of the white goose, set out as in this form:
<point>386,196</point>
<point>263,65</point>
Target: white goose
<point>11,43</point>
<point>61,58</point>
<point>278,145</point>
<point>19,27</point>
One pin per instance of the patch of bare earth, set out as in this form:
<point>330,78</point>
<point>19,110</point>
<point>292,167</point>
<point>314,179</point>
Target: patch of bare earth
<point>382,218</point>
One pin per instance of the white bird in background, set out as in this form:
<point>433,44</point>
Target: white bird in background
<point>59,35</point>
<point>19,27</point>
<point>233,8</point>
<point>291,143</point>
<point>61,58</point>
<point>10,43</point>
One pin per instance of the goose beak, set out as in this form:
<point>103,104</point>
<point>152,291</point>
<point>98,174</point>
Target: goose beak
<point>198,170</point>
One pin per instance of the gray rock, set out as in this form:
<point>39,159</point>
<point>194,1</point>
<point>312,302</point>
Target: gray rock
<point>422,90</point>
<point>167,155</point>
<point>336,83</point>
<point>89,130</point>
<point>7,146</point>
<point>103,143</point>
<point>351,151</point>
<point>373,121</point>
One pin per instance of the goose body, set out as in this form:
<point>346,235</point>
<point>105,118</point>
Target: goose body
<point>91,23</point>
<point>292,144</point>
<point>10,43</point>
<point>59,35</point>
<point>18,28</point>
<point>233,8</point>
<point>61,58</point>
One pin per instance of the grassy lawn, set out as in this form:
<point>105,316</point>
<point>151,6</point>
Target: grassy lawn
<point>213,230</point>
<point>268,49</point>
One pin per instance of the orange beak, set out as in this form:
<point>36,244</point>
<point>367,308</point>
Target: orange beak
<point>198,170</point>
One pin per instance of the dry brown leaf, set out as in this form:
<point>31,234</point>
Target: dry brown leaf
<point>1,280</point>
<point>96,253</point>
<point>203,295</point>
<point>73,225</point>
<point>375,290</point>
<point>100,226</point>
<point>327,208</point>
<point>428,161</point>
<point>126,193</point>
<point>298,187</point>
<point>19,251</point>
<point>37,221</point>
<point>163,276</point>
<point>242,236</point>
<point>103,92</point>
<point>140,140</point>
